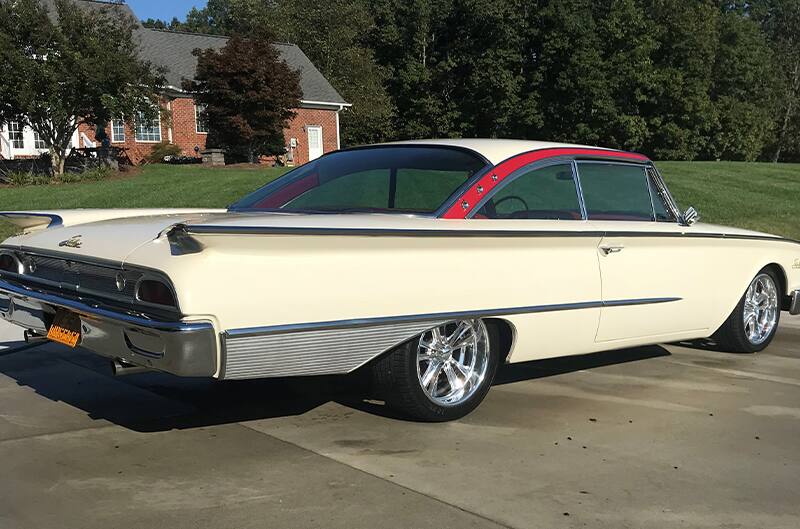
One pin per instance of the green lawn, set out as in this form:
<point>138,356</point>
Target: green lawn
<point>759,196</point>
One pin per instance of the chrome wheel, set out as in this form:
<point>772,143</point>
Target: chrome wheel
<point>760,309</point>
<point>452,360</point>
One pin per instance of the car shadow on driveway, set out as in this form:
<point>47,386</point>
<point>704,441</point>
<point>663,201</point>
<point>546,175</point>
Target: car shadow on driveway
<point>154,402</point>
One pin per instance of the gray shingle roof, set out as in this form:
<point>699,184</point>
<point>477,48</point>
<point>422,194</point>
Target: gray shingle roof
<point>172,51</point>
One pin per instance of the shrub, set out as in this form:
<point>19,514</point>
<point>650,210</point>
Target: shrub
<point>89,175</point>
<point>161,150</point>
<point>26,178</point>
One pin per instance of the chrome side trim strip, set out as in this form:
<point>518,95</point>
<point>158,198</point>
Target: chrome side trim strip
<point>336,347</point>
<point>390,232</point>
<point>436,316</point>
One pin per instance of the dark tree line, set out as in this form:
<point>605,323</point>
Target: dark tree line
<point>706,79</point>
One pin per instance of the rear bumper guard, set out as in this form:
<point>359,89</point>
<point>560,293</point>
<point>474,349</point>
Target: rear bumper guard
<point>794,302</point>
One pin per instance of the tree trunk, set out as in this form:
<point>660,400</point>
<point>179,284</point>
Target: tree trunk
<point>787,116</point>
<point>57,161</point>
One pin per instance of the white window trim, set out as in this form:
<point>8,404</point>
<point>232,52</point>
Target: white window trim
<point>114,139</point>
<point>21,132</point>
<point>160,135</point>
<point>197,121</point>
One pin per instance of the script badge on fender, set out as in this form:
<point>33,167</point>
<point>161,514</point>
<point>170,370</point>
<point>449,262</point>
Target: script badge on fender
<point>66,328</point>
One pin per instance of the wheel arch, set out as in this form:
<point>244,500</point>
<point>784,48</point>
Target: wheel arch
<point>507,334</point>
<point>783,288</point>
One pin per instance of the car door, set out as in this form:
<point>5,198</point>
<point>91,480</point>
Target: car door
<point>550,268</point>
<point>651,288</point>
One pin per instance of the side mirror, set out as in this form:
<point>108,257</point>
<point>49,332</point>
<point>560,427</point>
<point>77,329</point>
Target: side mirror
<point>690,216</point>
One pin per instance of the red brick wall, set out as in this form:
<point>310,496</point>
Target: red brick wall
<point>184,127</point>
<point>185,135</point>
<point>306,116</point>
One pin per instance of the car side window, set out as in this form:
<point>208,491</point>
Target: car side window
<point>545,193</point>
<point>615,191</point>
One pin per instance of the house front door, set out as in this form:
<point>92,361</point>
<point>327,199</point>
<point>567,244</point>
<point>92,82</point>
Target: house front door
<point>314,142</point>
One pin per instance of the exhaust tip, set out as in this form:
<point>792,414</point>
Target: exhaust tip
<point>120,367</point>
<point>33,337</point>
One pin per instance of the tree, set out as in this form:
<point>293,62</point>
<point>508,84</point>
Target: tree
<point>248,93</point>
<point>80,66</point>
<point>333,36</point>
<point>780,20</point>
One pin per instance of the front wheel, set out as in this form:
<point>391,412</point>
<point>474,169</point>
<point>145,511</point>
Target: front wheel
<point>441,375</point>
<point>752,325</point>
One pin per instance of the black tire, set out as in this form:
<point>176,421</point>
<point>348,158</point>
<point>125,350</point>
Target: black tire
<point>396,381</point>
<point>732,336</point>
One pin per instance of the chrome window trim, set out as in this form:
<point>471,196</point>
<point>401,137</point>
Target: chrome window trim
<point>438,316</point>
<point>577,177</point>
<point>662,187</point>
<point>522,171</point>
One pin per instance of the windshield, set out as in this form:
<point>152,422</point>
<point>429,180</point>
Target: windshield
<point>397,179</point>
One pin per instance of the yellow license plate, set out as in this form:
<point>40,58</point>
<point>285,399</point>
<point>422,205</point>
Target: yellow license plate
<point>66,328</point>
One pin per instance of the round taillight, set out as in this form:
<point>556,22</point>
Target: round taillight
<point>152,291</point>
<point>9,263</point>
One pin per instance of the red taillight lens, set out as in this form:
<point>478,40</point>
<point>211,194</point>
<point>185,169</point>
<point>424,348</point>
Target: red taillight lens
<point>156,292</point>
<point>9,263</point>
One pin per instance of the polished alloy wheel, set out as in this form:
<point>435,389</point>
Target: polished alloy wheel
<point>760,309</point>
<point>452,360</point>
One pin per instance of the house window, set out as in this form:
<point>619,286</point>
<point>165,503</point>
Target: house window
<point>38,142</point>
<point>148,130</point>
<point>201,123</point>
<point>15,135</point>
<point>118,131</point>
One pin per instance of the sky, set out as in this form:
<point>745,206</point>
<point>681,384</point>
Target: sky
<point>163,9</point>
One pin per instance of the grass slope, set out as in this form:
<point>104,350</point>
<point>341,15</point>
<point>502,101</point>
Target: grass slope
<point>757,196</point>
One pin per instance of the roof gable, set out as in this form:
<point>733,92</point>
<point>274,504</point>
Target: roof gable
<point>172,50</point>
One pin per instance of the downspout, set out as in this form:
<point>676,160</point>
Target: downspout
<point>169,126</point>
<point>338,138</point>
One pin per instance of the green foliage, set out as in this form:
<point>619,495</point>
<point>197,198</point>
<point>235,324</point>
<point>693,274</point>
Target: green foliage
<point>332,34</point>
<point>161,150</point>
<point>248,94</point>
<point>81,65</point>
<point>677,80</point>
<point>25,178</point>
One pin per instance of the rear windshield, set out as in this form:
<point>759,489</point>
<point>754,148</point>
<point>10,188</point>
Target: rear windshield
<point>399,179</point>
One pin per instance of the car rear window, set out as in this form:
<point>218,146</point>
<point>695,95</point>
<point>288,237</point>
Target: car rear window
<point>402,179</point>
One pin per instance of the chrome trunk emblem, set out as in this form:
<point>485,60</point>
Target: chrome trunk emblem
<point>72,242</point>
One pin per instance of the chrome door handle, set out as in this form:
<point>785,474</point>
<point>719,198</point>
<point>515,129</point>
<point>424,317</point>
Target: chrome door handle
<point>611,249</point>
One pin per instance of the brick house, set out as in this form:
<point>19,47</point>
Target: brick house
<point>313,131</point>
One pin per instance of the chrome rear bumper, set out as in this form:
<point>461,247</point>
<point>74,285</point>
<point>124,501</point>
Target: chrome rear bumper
<point>182,348</point>
<point>794,303</point>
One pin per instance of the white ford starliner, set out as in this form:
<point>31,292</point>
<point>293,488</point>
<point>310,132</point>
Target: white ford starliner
<point>427,262</point>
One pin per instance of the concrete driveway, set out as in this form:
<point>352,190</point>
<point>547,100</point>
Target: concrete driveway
<point>670,436</point>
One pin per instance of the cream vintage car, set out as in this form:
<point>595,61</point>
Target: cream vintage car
<point>427,262</point>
